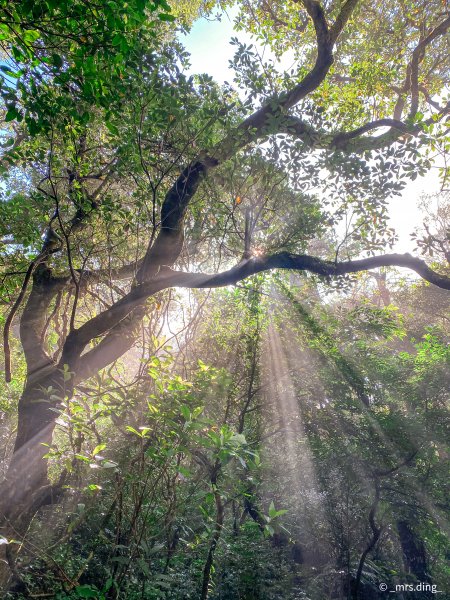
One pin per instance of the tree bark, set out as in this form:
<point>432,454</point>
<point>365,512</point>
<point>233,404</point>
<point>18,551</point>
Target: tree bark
<point>26,478</point>
<point>26,487</point>
<point>26,484</point>
<point>414,554</point>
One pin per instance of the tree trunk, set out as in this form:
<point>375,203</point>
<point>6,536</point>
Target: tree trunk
<point>414,554</point>
<point>26,487</point>
<point>26,483</point>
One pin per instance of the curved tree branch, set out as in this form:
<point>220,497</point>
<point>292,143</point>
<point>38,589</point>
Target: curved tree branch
<point>168,244</point>
<point>10,318</point>
<point>342,19</point>
<point>110,319</point>
<point>305,262</point>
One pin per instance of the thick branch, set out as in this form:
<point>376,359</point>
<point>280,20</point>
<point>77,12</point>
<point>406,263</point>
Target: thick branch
<point>105,321</point>
<point>342,19</point>
<point>304,262</point>
<point>256,125</point>
<point>110,319</point>
<point>340,139</point>
<point>169,242</point>
<point>376,533</point>
<point>114,345</point>
<point>9,320</point>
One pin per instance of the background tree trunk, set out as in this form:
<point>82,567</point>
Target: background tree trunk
<point>414,554</point>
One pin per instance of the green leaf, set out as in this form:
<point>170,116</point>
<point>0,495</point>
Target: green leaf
<point>239,438</point>
<point>132,430</point>
<point>186,413</point>
<point>87,591</point>
<point>12,114</point>
<point>117,39</point>
<point>269,530</point>
<point>81,457</point>
<point>183,471</point>
<point>57,60</point>
<point>98,449</point>
<point>166,17</point>
<point>31,36</point>
<point>109,464</point>
<point>197,411</point>
<point>10,73</point>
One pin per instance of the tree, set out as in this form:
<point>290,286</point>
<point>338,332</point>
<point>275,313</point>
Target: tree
<point>132,181</point>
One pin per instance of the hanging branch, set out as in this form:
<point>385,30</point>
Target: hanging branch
<point>52,243</point>
<point>9,320</point>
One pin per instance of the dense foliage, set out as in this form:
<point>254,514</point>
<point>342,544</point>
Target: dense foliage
<point>285,435</point>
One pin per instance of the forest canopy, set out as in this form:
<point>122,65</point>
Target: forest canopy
<point>219,378</point>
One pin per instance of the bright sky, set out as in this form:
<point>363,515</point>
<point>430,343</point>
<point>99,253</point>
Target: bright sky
<point>209,46</point>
